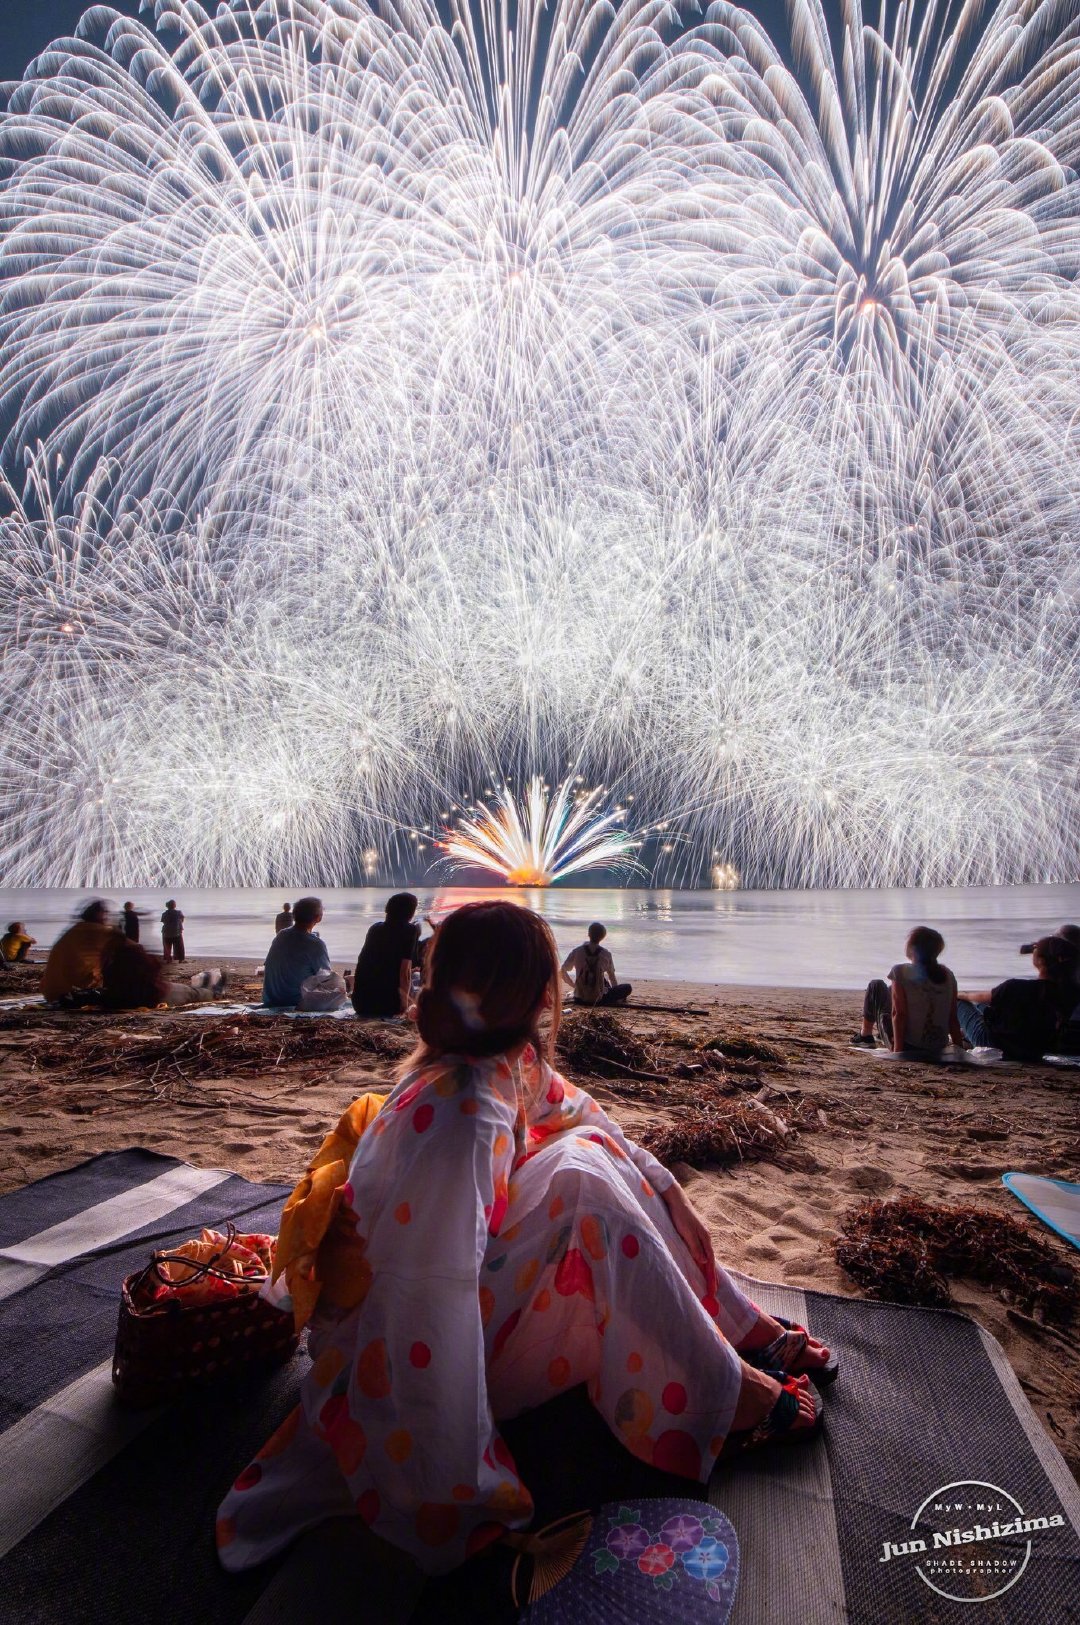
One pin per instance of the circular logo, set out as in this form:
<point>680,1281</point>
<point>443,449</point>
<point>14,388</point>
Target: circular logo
<point>976,1544</point>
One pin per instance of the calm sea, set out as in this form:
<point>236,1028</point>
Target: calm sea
<point>824,939</point>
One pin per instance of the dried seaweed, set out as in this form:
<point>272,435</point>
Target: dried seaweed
<point>595,1041</point>
<point>193,1048</point>
<point>739,1044</point>
<point>906,1250</point>
<point>720,1132</point>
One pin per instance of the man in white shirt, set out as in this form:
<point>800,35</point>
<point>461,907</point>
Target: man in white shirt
<point>593,981</point>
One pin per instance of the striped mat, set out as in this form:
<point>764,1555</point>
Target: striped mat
<point>107,1515</point>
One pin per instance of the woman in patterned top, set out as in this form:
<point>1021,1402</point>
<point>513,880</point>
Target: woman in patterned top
<point>508,1241</point>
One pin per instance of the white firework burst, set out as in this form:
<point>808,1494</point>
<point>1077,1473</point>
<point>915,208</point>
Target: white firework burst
<point>387,405</point>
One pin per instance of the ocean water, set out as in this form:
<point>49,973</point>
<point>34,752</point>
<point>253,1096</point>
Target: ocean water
<point>821,939</point>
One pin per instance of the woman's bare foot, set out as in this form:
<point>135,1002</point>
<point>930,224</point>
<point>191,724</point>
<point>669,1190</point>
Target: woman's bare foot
<point>759,1394</point>
<point>768,1330</point>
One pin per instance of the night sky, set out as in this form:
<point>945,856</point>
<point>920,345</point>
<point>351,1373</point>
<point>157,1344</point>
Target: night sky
<point>28,26</point>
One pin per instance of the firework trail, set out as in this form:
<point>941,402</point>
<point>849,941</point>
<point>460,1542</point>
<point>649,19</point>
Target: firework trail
<point>385,408</point>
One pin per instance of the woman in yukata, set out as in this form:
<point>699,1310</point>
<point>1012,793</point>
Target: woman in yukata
<point>511,1242</point>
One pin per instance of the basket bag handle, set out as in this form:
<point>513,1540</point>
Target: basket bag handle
<point>198,1271</point>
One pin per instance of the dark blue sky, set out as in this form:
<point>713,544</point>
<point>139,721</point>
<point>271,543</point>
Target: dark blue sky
<point>27,26</point>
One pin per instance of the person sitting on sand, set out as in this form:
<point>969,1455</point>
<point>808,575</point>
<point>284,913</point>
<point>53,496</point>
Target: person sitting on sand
<point>501,1240</point>
<point>132,979</point>
<point>1025,1016</point>
<point>16,943</point>
<point>74,962</point>
<point>918,1017</point>
<point>284,919</point>
<point>384,969</point>
<point>594,980</point>
<point>1068,933</point>
<point>294,956</point>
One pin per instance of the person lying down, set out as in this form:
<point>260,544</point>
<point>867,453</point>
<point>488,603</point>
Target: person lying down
<point>498,1240</point>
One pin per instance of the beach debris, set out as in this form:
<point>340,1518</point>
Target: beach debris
<point>597,1041</point>
<point>720,1132</point>
<point>906,1250</point>
<point>189,1050</point>
<point>740,1044</point>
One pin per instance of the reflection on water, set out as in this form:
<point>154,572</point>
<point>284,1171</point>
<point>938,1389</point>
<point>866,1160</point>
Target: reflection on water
<point>824,939</point>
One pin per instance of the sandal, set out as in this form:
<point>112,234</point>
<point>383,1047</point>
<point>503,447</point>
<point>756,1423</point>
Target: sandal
<point>778,1427</point>
<point>783,1354</point>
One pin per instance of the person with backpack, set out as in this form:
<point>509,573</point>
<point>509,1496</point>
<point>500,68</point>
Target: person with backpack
<point>593,980</point>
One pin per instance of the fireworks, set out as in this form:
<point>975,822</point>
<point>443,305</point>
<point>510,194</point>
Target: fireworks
<point>543,838</point>
<point>603,397</point>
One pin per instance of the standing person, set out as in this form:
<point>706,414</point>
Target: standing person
<point>594,980</point>
<point>384,969</point>
<point>129,921</point>
<point>1026,1016</point>
<point>284,919</point>
<point>296,954</point>
<point>172,933</point>
<point>74,962</point>
<point>919,1016</point>
<point>441,1317</point>
<point>16,943</point>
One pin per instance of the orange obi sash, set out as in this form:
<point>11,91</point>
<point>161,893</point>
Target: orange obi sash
<point>317,1251</point>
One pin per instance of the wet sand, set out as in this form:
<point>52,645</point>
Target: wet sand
<point>873,1128</point>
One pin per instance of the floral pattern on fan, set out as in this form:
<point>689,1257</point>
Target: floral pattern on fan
<point>695,1547</point>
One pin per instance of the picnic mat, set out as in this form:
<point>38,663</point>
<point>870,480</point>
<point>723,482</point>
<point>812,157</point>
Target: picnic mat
<point>1055,1201</point>
<point>107,1515</point>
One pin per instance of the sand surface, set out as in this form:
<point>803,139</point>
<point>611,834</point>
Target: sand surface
<point>260,1102</point>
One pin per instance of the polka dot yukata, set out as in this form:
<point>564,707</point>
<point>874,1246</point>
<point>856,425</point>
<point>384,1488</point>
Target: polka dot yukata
<point>515,1250</point>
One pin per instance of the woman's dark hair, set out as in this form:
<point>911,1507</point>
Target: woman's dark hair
<point>485,977</point>
<point>923,947</point>
<point>95,913</point>
<point>1058,956</point>
<point>400,908</point>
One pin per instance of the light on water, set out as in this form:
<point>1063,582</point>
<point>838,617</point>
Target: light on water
<point>766,939</point>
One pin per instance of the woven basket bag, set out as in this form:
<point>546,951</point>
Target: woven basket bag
<point>166,1347</point>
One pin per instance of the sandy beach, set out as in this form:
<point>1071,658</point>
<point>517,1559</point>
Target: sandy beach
<point>257,1094</point>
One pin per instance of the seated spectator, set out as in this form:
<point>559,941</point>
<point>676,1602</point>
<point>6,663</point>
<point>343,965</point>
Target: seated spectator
<point>16,943</point>
<point>918,1017</point>
<point>1068,933</point>
<point>294,955</point>
<point>384,969</point>
<point>594,980</point>
<point>133,979</point>
<point>284,919</point>
<point>74,962</point>
<point>1025,1016</point>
